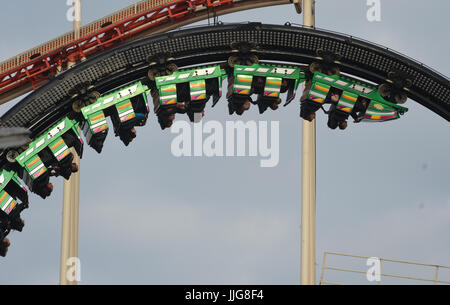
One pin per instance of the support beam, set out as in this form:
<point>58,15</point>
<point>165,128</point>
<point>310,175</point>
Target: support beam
<point>308,233</point>
<point>69,239</point>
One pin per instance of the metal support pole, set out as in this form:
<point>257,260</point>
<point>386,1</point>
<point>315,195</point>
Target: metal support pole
<point>69,239</point>
<point>308,242</point>
<point>77,18</point>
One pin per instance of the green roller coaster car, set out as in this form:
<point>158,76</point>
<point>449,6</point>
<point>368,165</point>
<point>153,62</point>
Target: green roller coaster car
<point>13,200</point>
<point>193,87</point>
<point>127,106</point>
<point>50,154</point>
<point>347,97</point>
<point>268,81</point>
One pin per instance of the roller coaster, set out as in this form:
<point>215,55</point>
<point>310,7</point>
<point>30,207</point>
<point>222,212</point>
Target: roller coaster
<point>182,71</point>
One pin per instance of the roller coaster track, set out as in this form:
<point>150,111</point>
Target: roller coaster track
<point>199,45</point>
<point>110,56</point>
<point>29,70</point>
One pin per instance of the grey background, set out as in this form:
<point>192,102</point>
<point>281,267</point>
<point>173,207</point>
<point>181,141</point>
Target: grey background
<point>147,217</point>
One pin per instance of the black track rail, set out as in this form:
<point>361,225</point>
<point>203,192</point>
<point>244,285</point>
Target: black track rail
<point>196,46</point>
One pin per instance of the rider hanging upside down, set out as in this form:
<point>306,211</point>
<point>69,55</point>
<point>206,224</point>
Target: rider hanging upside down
<point>123,125</point>
<point>4,242</point>
<point>359,109</point>
<point>236,103</point>
<point>166,113</point>
<point>4,245</point>
<point>65,169</point>
<point>308,108</point>
<point>335,117</point>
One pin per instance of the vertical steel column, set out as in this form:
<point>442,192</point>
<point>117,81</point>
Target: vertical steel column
<point>69,239</point>
<point>308,234</point>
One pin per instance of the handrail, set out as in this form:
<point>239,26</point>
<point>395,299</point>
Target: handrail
<point>435,280</point>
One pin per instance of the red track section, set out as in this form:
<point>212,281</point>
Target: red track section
<point>54,56</point>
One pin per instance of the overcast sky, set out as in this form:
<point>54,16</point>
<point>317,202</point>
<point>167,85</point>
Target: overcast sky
<point>147,217</point>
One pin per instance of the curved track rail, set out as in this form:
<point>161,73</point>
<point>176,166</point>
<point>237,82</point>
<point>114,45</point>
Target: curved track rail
<point>201,45</point>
